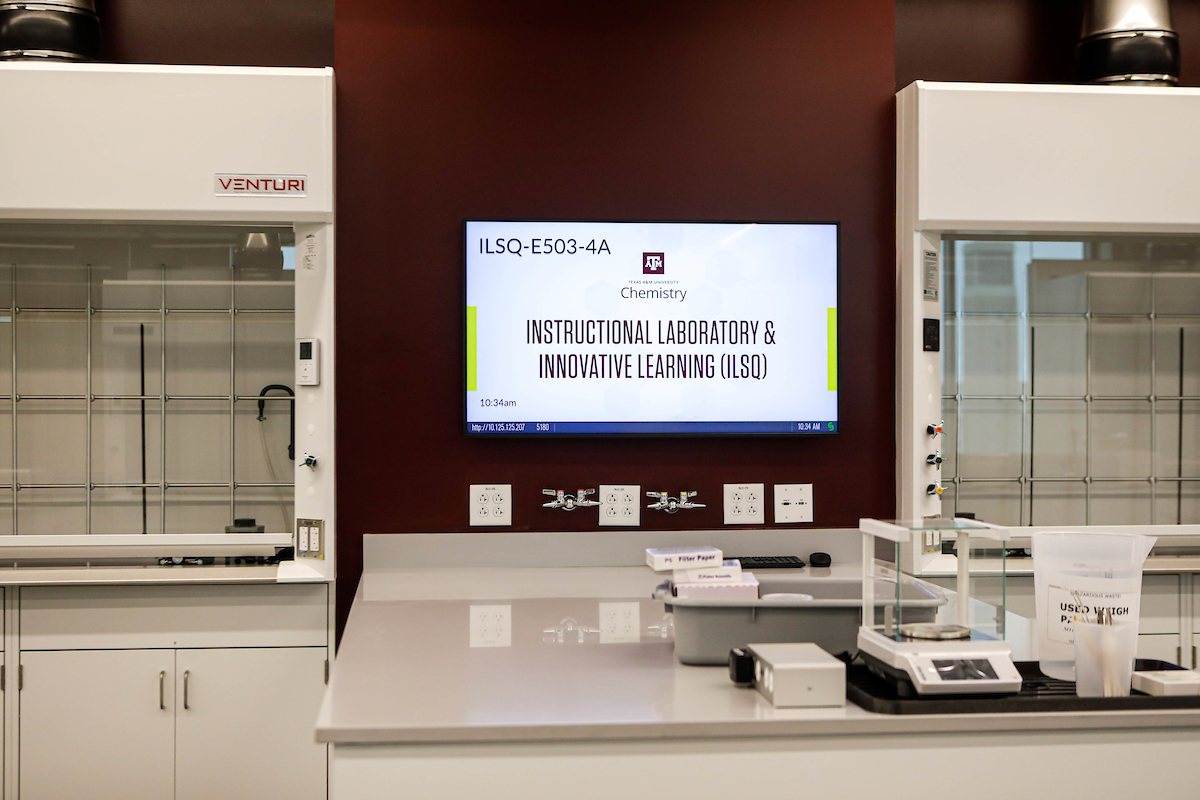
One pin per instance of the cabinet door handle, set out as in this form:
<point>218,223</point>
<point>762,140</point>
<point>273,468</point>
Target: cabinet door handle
<point>187,673</point>
<point>162,695</point>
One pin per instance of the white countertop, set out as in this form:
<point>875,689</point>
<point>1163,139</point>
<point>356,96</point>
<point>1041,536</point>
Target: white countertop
<point>406,673</point>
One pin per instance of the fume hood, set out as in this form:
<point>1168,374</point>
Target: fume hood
<point>1048,357</point>
<point>167,240</point>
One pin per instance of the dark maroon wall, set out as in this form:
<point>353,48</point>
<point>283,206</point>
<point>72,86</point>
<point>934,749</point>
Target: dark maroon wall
<point>1018,41</point>
<point>266,33</point>
<point>449,109</point>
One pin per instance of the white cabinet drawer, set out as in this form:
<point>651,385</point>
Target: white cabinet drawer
<point>223,615</point>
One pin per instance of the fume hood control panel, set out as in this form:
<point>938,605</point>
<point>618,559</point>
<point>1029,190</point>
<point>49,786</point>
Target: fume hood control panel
<point>308,362</point>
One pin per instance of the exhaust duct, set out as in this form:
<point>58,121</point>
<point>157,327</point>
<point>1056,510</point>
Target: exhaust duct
<point>1128,41</point>
<point>55,30</point>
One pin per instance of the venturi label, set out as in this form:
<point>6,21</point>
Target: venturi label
<point>233,184</point>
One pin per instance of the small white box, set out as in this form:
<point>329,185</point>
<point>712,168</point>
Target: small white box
<point>728,572</point>
<point>664,559</point>
<point>1168,682</point>
<point>746,588</point>
<point>798,675</point>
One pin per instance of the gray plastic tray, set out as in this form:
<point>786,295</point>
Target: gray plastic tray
<point>706,630</point>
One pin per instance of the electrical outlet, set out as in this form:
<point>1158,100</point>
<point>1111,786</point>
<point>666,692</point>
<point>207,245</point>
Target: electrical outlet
<point>491,626</point>
<point>793,502</point>
<point>491,504</point>
<point>620,504</point>
<point>744,503</point>
<point>620,622</point>
<point>310,538</point>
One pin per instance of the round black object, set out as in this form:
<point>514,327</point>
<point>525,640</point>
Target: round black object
<point>741,667</point>
<point>1133,56</point>
<point>819,559</point>
<point>58,31</point>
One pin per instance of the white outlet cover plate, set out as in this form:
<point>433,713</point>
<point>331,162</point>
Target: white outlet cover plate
<point>491,626</point>
<point>620,622</point>
<point>620,504</point>
<point>744,503</point>
<point>491,504</point>
<point>793,502</point>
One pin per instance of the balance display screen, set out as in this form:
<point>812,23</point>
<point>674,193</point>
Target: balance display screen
<point>976,669</point>
<point>652,328</point>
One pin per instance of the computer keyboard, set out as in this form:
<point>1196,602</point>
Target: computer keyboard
<point>769,562</point>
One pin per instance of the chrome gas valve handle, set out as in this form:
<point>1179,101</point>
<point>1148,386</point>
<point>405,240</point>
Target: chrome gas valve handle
<point>665,502</point>
<point>569,502</point>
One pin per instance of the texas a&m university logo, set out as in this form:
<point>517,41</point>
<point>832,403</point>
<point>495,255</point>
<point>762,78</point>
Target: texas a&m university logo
<point>653,264</point>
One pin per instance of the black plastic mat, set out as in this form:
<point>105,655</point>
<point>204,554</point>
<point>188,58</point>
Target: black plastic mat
<point>1038,693</point>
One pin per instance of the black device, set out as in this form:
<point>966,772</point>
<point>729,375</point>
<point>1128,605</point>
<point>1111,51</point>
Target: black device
<point>741,667</point>
<point>931,341</point>
<point>769,562</point>
<point>819,559</point>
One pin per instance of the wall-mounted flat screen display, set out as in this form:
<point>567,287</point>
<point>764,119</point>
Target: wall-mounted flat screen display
<point>651,328</point>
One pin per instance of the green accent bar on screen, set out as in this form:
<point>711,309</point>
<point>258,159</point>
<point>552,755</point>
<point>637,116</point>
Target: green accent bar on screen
<point>470,348</point>
<point>832,339</point>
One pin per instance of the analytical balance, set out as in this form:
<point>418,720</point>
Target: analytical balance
<point>940,665</point>
<point>961,652</point>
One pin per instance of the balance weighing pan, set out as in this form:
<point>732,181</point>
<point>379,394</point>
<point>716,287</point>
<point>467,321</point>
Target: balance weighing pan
<point>707,629</point>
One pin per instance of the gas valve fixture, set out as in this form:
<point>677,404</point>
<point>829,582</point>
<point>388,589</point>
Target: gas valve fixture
<point>569,502</point>
<point>665,502</point>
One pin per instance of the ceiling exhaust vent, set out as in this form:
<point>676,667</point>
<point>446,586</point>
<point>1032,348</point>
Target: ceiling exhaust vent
<point>1128,41</point>
<point>55,30</point>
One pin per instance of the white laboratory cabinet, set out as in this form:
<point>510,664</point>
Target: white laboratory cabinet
<point>92,724</point>
<point>171,691</point>
<point>247,728</point>
<point>100,712</point>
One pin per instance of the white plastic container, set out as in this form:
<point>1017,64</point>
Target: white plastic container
<point>1074,574</point>
<point>1104,658</point>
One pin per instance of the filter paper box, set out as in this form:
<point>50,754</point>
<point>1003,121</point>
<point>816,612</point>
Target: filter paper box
<point>727,572</point>
<point>663,559</point>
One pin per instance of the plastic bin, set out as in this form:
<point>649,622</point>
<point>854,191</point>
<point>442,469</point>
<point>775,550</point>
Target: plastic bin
<point>706,630</point>
<point>1074,574</point>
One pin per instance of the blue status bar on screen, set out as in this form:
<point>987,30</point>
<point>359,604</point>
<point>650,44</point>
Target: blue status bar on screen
<point>648,428</point>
